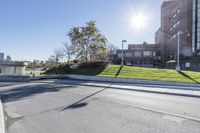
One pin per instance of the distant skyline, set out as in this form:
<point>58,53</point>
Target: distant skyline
<point>32,29</point>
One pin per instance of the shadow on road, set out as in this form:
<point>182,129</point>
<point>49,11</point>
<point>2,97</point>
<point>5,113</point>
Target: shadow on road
<point>80,103</point>
<point>20,93</point>
<point>76,105</point>
<point>6,84</point>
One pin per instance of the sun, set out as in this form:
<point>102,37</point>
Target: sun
<point>139,21</point>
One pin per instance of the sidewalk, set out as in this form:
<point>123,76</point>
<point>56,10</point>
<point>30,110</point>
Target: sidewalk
<point>193,92</point>
<point>129,81</point>
<point>172,88</point>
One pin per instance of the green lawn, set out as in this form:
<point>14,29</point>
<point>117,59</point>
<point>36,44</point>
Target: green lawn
<point>116,71</point>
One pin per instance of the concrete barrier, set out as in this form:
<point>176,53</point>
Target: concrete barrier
<point>8,78</point>
<point>12,67</point>
<point>14,78</point>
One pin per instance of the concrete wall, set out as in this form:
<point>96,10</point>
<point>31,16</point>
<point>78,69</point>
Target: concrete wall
<point>12,68</point>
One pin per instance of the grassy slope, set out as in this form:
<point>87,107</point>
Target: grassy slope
<point>117,71</point>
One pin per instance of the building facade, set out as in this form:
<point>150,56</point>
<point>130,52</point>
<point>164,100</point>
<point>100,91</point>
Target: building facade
<point>179,15</point>
<point>141,55</point>
<point>12,67</point>
<point>8,58</point>
<point>1,56</point>
<point>196,25</point>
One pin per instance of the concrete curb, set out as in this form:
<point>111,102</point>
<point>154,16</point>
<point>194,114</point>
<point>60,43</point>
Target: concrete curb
<point>28,78</point>
<point>16,78</point>
<point>175,92</point>
<point>130,81</point>
<point>2,120</point>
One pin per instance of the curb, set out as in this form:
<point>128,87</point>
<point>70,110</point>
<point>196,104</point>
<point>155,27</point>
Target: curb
<point>28,78</point>
<point>130,81</point>
<point>188,92</point>
<point>164,91</point>
<point>2,120</point>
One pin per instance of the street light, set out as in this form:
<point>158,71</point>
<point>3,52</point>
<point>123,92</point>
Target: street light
<point>122,63</point>
<point>178,49</point>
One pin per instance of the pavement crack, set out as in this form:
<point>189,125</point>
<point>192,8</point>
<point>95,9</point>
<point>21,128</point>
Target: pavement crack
<point>173,118</point>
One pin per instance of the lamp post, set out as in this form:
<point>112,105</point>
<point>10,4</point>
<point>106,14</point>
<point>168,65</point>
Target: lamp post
<point>122,63</point>
<point>178,49</point>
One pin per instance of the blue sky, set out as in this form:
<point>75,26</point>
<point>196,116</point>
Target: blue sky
<point>32,29</point>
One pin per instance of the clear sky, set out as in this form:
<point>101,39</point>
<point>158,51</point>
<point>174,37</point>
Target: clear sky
<point>32,29</point>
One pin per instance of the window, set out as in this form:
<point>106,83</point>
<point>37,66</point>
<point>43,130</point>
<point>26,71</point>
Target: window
<point>174,26</point>
<point>178,11</point>
<point>174,36</point>
<point>147,53</point>
<point>137,54</point>
<point>178,23</point>
<point>154,54</point>
<point>129,54</point>
<point>174,16</point>
<point>119,55</point>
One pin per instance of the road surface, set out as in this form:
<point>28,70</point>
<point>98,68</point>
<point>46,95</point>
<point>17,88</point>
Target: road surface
<point>54,106</point>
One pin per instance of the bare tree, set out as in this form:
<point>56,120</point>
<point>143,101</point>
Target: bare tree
<point>58,53</point>
<point>68,51</point>
<point>52,60</point>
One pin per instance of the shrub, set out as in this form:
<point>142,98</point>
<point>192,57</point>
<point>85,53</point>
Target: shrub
<point>61,69</point>
<point>93,64</point>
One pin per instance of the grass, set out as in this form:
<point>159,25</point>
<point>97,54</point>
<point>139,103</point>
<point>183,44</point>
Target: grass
<point>116,71</point>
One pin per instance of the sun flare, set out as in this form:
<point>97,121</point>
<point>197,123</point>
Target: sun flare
<point>139,21</point>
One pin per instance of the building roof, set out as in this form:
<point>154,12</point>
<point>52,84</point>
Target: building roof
<point>13,63</point>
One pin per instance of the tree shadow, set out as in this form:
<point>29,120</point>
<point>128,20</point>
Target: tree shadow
<point>20,93</point>
<point>5,85</point>
<point>80,102</point>
<point>23,92</point>
<point>76,105</point>
<point>118,72</point>
<point>187,76</point>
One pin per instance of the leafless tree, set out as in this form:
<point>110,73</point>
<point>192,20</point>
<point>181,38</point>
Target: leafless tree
<point>59,54</point>
<point>68,51</point>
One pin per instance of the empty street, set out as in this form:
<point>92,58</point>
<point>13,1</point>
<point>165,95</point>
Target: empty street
<point>61,106</point>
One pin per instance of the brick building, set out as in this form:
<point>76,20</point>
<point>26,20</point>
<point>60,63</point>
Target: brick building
<point>141,55</point>
<point>179,15</point>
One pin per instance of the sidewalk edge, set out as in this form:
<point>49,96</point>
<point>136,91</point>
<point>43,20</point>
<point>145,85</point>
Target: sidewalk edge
<point>150,91</point>
<point>130,81</point>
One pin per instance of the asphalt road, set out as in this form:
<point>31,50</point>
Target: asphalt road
<point>53,106</point>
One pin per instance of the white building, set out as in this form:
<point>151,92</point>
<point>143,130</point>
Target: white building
<point>12,67</point>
